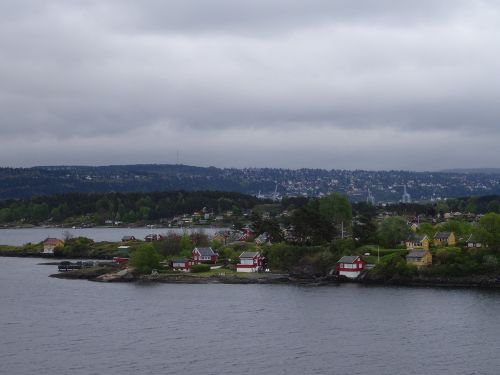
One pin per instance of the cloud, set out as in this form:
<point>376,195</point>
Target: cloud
<point>272,77</point>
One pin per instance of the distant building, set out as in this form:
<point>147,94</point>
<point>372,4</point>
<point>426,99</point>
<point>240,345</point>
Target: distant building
<point>406,198</point>
<point>120,260</point>
<point>473,242</point>
<point>445,239</point>
<point>419,258</point>
<point>128,238</point>
<point>417,241</point>
<point>370,199</point>
<point>123,250</point>
<point>263,239</point>
<point>50,243</point>
<point>153,237</point>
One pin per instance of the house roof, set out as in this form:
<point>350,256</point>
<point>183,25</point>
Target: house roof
<point>417,237</point>
<point>348,259</point>
<point>204,251</point>
<point>417,254</point>
<point>179,260</point>
<point>473,238</point>
<point>127,238</point>
<point>249,254</point>
<point>442,235</point>
<point>52,241</point>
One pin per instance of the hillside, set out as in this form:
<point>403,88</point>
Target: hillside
<point>385,186</point>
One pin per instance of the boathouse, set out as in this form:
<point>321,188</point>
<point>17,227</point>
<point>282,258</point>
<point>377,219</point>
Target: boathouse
<point>350,266</point>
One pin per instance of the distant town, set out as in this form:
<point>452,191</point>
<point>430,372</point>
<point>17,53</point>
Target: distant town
<point>270,183</point>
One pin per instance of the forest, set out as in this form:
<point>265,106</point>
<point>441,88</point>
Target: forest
<point>97,208</point>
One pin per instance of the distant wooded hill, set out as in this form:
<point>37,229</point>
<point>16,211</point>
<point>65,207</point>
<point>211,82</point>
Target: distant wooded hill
<point>386,186</point>
<point>126,207</point>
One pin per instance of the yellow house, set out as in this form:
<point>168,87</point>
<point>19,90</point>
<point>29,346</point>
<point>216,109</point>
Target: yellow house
<point>419,258</point>
<point>416,241</point>
<point>445,239</point>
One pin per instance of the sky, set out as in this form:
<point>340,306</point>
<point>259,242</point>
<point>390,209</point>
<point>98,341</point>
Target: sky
<point>335,84</point>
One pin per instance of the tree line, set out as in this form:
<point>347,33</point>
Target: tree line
<point>124,207</point>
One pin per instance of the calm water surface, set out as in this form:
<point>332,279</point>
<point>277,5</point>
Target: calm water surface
<point>51,326</point>
<point>21,236</point>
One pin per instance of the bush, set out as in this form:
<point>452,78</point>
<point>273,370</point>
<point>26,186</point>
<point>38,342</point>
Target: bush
<point>197,268</point>
<point>447,255</point>
<point>145,259</point>
<point>394,265</point>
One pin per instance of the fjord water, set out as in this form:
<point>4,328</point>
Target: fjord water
<point>53,326</point>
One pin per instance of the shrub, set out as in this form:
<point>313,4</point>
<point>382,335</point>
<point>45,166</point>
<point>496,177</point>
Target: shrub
<point>200,268</point>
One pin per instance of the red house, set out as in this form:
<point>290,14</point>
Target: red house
<point>120,260</point>
<point>181,264</point>
<point>204,255</point>
<point>250,261</point>
<point>350,266</point>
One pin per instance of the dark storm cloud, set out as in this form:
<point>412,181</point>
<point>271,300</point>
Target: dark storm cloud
<point>305,83</point>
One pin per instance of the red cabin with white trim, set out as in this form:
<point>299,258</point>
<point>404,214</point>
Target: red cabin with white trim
<point>182,264</point>
<point>204,255</point>
<point>350,266</point>
<point>250,261</point>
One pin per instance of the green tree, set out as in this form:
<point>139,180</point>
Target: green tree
<point>40,211</point>
<point>392,231</point>
<point>427,229</point>
<point>186,245</point>
<point>365,229</point>
<point>336,209</point>
<point>488,230</point>
<point>310,227</point>
<point>145,259</point>
<point>494,206</point>
<point>5,215</point>
<point>460,227</point>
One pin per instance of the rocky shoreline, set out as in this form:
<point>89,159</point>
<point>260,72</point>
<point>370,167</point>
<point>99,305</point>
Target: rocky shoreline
<point>103,274</point>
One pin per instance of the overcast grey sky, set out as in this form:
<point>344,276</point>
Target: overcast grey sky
<point>375,84</point>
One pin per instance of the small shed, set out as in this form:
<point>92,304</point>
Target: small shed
<point>350,266</point>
